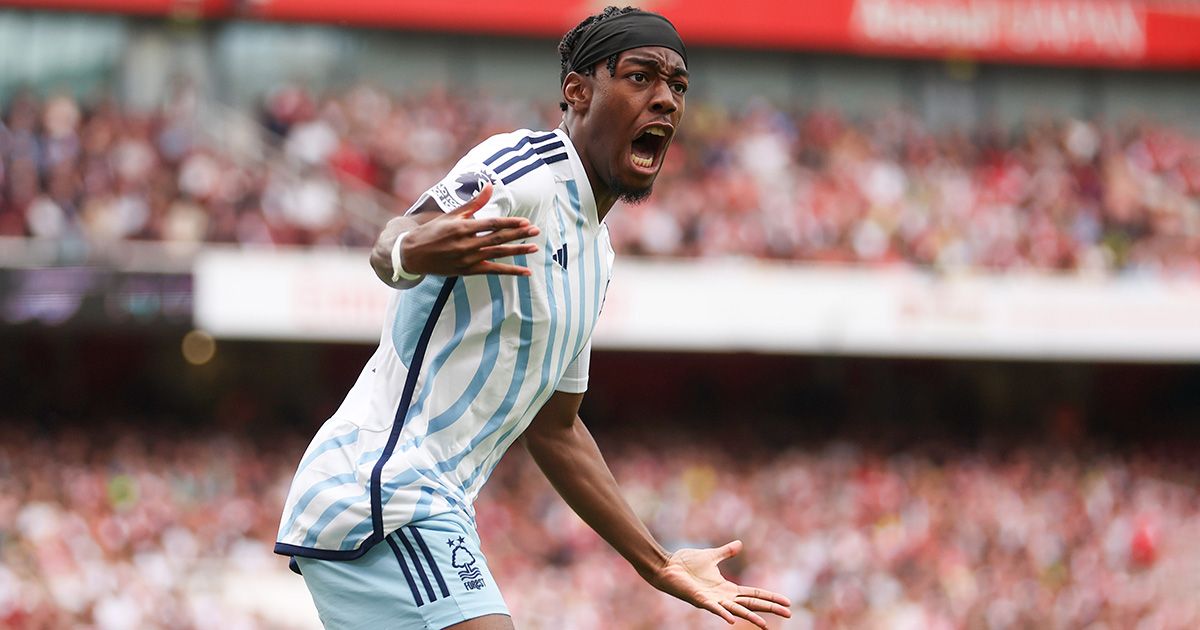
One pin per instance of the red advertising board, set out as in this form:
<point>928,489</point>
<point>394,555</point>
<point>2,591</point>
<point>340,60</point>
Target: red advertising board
<point>1124,33</point>
<point>171,8</point>
<point>1133,33</point>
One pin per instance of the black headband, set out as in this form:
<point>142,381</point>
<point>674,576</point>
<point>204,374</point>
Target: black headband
<point>623,32</point>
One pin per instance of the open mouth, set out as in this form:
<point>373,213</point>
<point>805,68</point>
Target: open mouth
<point>647,147</point>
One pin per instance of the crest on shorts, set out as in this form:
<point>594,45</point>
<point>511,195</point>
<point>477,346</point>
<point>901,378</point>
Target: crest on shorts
<point>462,559</point>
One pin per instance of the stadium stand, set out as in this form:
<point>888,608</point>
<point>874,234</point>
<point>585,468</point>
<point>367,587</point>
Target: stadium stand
<point>116,533</point>
<point>1054,194</point>
<point>875,494</point>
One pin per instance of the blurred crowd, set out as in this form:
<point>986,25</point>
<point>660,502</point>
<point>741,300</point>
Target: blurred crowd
<point>150,533</point>
<point>136,535</point>
<point>757,181</point>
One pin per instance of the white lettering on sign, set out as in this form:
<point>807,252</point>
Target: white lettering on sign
<point>1114,29</point>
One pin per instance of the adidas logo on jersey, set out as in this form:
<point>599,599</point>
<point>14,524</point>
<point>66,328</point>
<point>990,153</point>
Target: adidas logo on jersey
<point>560,256</point>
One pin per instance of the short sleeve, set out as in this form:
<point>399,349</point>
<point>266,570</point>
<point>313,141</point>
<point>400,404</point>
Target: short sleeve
<point>575,379</point>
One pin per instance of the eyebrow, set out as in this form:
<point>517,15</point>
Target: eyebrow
<point>658,67</point>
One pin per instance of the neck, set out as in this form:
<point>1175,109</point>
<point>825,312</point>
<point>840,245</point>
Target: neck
<point>604,196</point>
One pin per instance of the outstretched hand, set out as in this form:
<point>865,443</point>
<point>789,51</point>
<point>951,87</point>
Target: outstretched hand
<point>692,575</point>
<point>457,244</point>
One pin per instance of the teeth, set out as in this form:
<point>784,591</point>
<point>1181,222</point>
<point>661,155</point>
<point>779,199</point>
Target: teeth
<point>642,162</point>
<point>657,131</point>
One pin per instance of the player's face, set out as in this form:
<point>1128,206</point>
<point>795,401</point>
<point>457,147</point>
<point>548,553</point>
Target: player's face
<point>636,113</point>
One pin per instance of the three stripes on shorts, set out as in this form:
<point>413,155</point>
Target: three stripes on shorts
<point>411,541</point>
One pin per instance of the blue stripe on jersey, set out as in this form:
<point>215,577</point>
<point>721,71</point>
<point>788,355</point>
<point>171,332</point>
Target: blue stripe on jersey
<point>525,300</point>
<point>455,503</point>
<point>312,492</point>
<point>338,441</point>
<point>410,317</point>
<point>341,505</point>
<point>337,508</point>
<point>369,456</point>
<point>452,413</point>
<point>557,157</point>
<point>491,348</point>
<point>389,489</point>
<point>462,319</point>
<point>547,358</point>
<point>542,150</point>
<point>423,504</point>
<point>566,280</point>
<point>514,385</point>
<point>573,196</point>
<point>402,409</point>
<point>524,141</point>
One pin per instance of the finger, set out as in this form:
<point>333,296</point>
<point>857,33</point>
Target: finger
<point>729,550</point>
<point>467,210</point>
<point>501,237</point>
<point>493,224</point>
<point>745,613</point>
<point>499,269</point>
<point>501,251</point>
<point>758,593</point>
<point>762,605</point>
<point>718,610</point>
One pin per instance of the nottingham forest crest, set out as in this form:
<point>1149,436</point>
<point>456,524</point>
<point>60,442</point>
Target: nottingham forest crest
<point>463,560</point>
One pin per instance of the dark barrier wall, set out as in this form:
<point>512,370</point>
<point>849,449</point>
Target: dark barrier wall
<point>51,379</point>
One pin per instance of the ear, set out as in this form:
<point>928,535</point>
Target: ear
<point>577,92</point>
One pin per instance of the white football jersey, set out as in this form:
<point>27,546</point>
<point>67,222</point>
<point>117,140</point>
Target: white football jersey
<point>463,364</point>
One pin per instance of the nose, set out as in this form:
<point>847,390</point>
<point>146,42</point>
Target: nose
<point>663,99</point>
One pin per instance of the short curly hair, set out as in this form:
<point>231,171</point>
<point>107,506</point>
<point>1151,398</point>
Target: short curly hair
<point>567,45</point>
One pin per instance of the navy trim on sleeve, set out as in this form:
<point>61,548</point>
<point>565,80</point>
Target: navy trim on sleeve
<point>524,141</point>
<point>528,154</point>
<point>519,173</point>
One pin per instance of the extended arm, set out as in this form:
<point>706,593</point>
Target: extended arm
<point>565,451</point>
<point>451,243</point>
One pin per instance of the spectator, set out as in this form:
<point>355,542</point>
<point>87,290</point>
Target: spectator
<point>1061,195</point>
<point>140,533</point>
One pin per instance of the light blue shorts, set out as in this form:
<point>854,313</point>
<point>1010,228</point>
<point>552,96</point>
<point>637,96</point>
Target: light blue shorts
<point>429,575</point>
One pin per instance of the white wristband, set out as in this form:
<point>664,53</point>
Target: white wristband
<point>398,271</point>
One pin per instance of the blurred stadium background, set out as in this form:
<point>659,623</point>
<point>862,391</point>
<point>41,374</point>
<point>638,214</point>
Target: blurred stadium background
<point>914,311</point>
